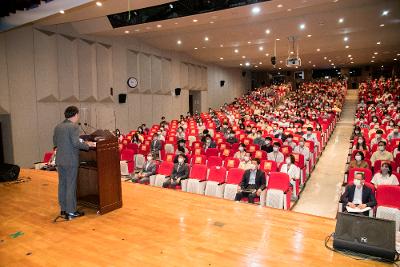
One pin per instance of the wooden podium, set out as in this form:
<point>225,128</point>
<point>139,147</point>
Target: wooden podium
<point>99,175</point>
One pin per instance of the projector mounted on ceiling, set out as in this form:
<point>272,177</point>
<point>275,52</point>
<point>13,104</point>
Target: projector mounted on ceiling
<point>293,59</point>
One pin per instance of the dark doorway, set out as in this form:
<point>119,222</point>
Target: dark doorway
<point>1,146</point>
<point>191,104</point>
<point>6,147</point>
<point>194,101</point>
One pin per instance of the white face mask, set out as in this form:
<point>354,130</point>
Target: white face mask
<point>246,158</point>
<point>381,148</point>
<point>360,141</point>
<point>252,167</point>
<point>357,182</point>
<point>288,161</point>
<point>289,140</point>
<point>267,142</point>
<point>149,158</point>
<point>275,148</point>
<point>241,149</point>
<point>358,157</point>
<point>301,144</point>
<point>181,160</point>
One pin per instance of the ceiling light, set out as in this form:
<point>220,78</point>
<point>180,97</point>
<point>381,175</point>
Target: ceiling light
<point>351,58</point>
<point>398,54</point>
<point>341,20</point>
<point>329,60</point>
<point>352,62</point>
<point>211,22</point>
<point>261,48</point>
<point>203,47</point>
<point>148,28</point>
<point>61,11</point>
<point>221,45</point>
<point>241,64</point>
<point>297,67</point>
<point>280,69</point>
<point>280,61</point>
<point>309,35</point>
<point>195,20</point>
<point>309,61</point>
<point>385,12</point>
<point>335,1</point>
<point>268,31</point>
<point>291,52</point>
<point>206,38</point>
<point>260,63</point>
<point>159,26</point>
<point>249,42</point>
<point>325,58</point>
<point>247,64</point>
<point>318,49</point>
<point>137,30</point>
<point>255,10</point>
<point>348,55</point>
<point>256,66</point>
<point>332,64</point>
<point>267,54</point>
<point>236,51</point>
<point>243,56</point>
<point>179,42</point>
<point>126,31</point>
<point>313,66</point>
<point>98,3</point>
<point>373,56</point>
<point>346,46</point>
<point>171,6</point>
<point>378,43</point>
<point>302,26</point>
<point>395,59</point>
<point>279,6</point>
<point>176,23</point>
<point>277,39</point>
<point>382,25</point>
<point>346,39</point>
<point>221,58</point>
<point>289,9</point>
<point>195,48</point>
<point>372,61</point>
<point>375,53</point>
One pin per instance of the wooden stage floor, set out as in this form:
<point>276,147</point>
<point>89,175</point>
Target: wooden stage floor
<point>158,227</point>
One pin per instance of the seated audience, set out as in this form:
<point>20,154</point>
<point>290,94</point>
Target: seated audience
<point>231,139</point>
<point>252,184</point>
<point>149,169</point>
<point>385,177</point>
<point>267,146</point>
<point>291,169</point>
<point>394,134</point>
<point>360,145</point>
<point>381,153</point>
<point>245,164</point>
<point>241,153</point>
<point>179,172</point>
<point>209,143</point>
<point>276,155</point>
<point>155,146</point>
<point>259,140</point>
<point>289,141</point>
<point>378,138</point>
<point>358,161</point>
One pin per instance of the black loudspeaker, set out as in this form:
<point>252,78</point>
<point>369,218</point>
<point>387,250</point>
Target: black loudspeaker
<point>366,235</point>
<point>222,83</point>
<point>273,60</point>
<point>177,91</point>
<point>122,98</point>
<point>8,172</point>
<point>243,74</point>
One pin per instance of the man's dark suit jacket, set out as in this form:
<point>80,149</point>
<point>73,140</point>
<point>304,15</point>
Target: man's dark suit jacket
<point>182,173</point>
<point>260,180</point>
<point>368,197</point>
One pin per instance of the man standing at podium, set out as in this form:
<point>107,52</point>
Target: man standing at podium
<point>66,139</point>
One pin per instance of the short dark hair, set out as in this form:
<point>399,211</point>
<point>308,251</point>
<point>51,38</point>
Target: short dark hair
<point>70,112</point>
<point>256,160</point>
<point>277,144</point>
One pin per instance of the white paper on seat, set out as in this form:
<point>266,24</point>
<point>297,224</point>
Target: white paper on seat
<point>230,191</point>
<point>357,209</point>
<point>387,213</point>
<point>124,167</point>
<point>160,179</point>
<point>275,198</point>
<point>211,188</point>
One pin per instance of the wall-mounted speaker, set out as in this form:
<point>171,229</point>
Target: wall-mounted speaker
<point>177,91</point>
<point>222,83</point>
<point>243,74</point>
<point>273,60</point>
<point>122,98</point>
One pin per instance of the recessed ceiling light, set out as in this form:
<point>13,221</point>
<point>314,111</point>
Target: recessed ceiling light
<point>176,23</point>
<point>318,49</point>
<point>255,10</point>
<point>291,52</point>
<point>241,64</point>
<point>98,3</point>
<point>345,38</point>
<point>309,62</point>
<point>196,48</point>
<point>126,31</point>
<point>346,46</point>
<point>373,56</point>
<point>309,35</point>
<point>325,58</point>
<point>267,31</point>
<point>249,42</point>
<point>179,42</point>
<point>206,38</point>
<point>378,43</point>
<point>313,66</point>
<point>256,66</point>
<point>279,69</point>
<point>159,26</point>
<point>261,48</point>
<point>382,66</point>
<point>236,51</point>
<point>348,55</point>
<point>398,54</point>
<point>297,67</point>
<point>351,58</point>
<point>211,22</point>
<point>375,53</point>
<point>260,63</point>
<point>247,63</point>
<point>279,6</point>
<point>372,61</point>
<point>329,60</point>
<point>277,39</point>
<point>335,1</point>
<point>243,56</point>
<point>385,12</point>
<point>280,61</point>
<point>195,20</point>
<point>341,20</point>
<point>332,64</point>
<point>302,26</point>
<point>221,58</point>
<point>61,11</point>
<point>382,25</point>
<point>267,54</point>
<point>352,62</point>
<point>395,59</point>
<point>203,47</point>
<point>221,45</point>
<point>289,9</point>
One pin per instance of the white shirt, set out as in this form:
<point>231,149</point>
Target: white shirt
<point>379,179</point>
<point>293,171</point>
<point>304,151</point>
<point>357,195</point>
<point>278,156</point>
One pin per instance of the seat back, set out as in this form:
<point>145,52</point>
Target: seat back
<point>388,195</point>
<point>217,174</point>
<point>199,172</point>
<point>260,154</point>
<point>378,165</point>
<point>214,161</point>
<point>127,154</point>
<point>165,168</point>
<point>47,156</point>
<point>212,152</point>
<point>230,163</point>
<point>278,180</point>
<point>234,176</point>
<point>367,174</point>
<point>268,166</point>
<point>199,159</point>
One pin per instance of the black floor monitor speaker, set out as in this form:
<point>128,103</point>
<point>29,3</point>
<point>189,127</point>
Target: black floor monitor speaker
<point>8,172</point>
<point>366,235</point>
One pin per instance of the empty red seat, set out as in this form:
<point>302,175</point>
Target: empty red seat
<point>230,163</point>
<point>214,161</point>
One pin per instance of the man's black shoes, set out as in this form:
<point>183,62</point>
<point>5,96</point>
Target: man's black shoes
<point>73,215</point>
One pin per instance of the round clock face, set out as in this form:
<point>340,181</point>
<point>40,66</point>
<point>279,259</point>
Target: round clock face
<point>132,82</point>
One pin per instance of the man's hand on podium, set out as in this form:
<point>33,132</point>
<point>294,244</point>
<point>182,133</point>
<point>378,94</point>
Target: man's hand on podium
<point>91,144</point>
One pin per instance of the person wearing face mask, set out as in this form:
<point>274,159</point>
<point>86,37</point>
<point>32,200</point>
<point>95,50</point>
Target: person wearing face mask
<point>293,171</point>
<point>241,153</point>
<point>360,144</point>
<point>377,138</point>
<point>373,129</point>
<point>155,146</point>
<point>357,195</point>
<point>396,151</point>
<point>358,161</point>
<point>149,169</point>
<point>160,136</point>
<point>385,177</point>
<point>301,148</point>
<point>381,153</point>
<point>245,164</point>
<point>267,146</point>
<point>180,134</point>
<point>231,138</point>
<point>280,135</point>
<point>394,134</point>
<point>356,133</point>
<point>276,155</point>
<point>259,140</point>
<point>289,141</point>
<point>248,130</point>
<point>179,173</point>
<point>252,184</point>
<point>310,136</point>
<point>182,144</point>
<point>209,143</point>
